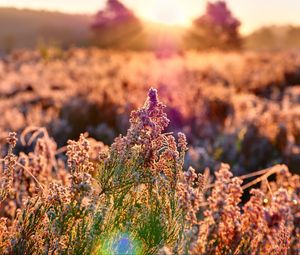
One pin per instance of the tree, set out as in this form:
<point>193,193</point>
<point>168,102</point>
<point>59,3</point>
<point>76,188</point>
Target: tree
<point>216,28</point>
<point>116,26</point>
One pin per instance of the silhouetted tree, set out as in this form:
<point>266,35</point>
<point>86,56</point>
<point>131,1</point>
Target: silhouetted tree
<point>116,27</point>
<point>217,28</point>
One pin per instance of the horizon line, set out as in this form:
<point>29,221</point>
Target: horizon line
<point>90,14</point>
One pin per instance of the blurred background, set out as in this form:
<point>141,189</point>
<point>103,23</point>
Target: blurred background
<point>228,71</point>
<point>251,25</point>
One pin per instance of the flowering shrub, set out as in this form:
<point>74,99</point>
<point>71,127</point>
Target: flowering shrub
<point>135,198</point>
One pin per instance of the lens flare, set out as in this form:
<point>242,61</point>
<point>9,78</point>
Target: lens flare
<point>123,245</point>
<point>120,243</point>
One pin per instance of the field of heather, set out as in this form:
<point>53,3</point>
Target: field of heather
<point>238,108</point>
<point>107,152</point>
<point>149,127</point>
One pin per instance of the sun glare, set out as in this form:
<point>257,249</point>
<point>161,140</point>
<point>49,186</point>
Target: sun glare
<point>167,12</point>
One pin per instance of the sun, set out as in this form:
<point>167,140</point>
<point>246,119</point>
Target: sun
<point>168,12</point>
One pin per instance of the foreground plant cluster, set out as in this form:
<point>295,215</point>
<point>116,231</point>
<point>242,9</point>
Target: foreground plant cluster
<point>135,198</point>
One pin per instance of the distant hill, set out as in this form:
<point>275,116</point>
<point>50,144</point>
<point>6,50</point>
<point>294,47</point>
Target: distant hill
<point>24,28</point>
<point>27,28</point>
<point>274,38</point>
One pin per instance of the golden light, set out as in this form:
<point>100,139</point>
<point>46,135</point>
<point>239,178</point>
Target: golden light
<point>168,12</point>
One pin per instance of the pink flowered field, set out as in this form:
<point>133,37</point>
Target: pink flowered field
<point>134,197</point>
<point>151,138</point>
<point>239,108</point>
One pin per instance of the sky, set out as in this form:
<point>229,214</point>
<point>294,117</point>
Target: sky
<point>252,13</point>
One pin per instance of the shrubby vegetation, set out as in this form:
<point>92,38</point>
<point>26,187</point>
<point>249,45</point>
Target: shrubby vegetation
<point>135,198</point>
<point>76,177</point>
<point>242,109</point>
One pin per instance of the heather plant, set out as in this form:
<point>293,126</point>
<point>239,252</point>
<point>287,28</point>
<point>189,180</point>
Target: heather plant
<point>144,167</point>
<point>135,198</point>
<point>129,194</point>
